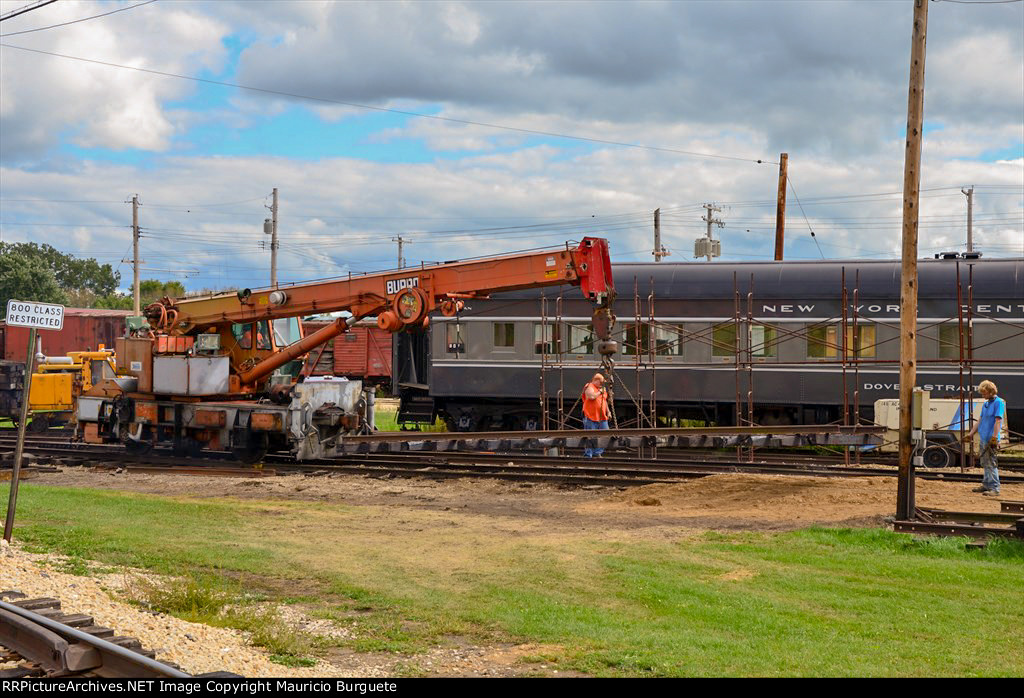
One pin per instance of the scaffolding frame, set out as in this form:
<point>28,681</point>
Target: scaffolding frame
<point>847,354</point>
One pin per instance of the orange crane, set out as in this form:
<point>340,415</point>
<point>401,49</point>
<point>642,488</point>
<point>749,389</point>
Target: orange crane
<point>211,372</point>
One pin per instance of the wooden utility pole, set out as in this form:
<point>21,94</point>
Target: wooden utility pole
<point>273,241</point>
<point>135,257</point>
<point>659,249</point>
<point>711,220</point>
<point>401,241</point>
<point>780,207</point>
<point>905,502</point>
<point>970,218</point>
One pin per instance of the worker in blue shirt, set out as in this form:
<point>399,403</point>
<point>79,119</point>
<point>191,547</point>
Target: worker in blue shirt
<point>988,428</point>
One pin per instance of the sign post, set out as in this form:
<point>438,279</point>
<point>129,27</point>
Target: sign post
<point>34,316</point>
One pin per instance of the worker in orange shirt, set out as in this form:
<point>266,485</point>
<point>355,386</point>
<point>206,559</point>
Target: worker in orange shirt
<point>595,411</point>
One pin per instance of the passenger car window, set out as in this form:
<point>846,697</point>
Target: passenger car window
<point>504,334</point>
<point>667,342</point>
<point>545,338</point>
<point>453,338</point>
<point>763,340</point>
<point>581,339</point>
<point>723,340</point>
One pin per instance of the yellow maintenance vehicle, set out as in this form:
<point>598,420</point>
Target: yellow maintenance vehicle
<point>59,380</point>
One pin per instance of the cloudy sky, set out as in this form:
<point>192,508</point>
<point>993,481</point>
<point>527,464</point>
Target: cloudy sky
<point>471,128</point>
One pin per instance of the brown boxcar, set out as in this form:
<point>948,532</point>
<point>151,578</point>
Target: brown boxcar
<point>85,329</point>
<point>362,352</point>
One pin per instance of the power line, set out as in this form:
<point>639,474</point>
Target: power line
<point>76,21</point>
<point>27,8</point>
<point>534,132</point>
<point>789,179</point>
<point>980,2</point>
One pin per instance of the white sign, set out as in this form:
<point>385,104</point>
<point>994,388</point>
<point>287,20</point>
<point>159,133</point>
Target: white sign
<point>31,314</point>
<point>396,285</point>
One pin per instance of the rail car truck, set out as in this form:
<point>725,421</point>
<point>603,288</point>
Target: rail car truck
<point>218,372</point>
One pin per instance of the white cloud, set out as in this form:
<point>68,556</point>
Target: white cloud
<point>43,97</point>
<point>825,82</point>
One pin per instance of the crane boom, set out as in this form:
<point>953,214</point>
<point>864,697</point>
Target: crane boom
<point>198,373</point>
<point>587,265</point>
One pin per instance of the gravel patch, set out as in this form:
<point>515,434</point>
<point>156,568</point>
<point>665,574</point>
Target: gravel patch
<point>196,648</point>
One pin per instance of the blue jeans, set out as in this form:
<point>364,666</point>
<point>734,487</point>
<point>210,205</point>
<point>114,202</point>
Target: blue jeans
<point>990,480</point>
<point>588,423</point>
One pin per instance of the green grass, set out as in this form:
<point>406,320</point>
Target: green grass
<point>202,597</point>
<point>385,420</point>
<point>817,602</point>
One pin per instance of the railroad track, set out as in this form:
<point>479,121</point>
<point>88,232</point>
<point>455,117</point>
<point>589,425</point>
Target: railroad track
<point>43,641</point>
<point>665,454</point>
<point>613,470</point>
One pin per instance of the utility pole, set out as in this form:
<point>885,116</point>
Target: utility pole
<point>659,249</point>
<point>709,245</point>
<point>273,241</point>
<point>135,257</point>
<point>401,260</point>
<point>905,500</point>
<point>970,217</point>
<point>780,208</point>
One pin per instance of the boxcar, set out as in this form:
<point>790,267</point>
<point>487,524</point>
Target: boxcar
<point>364,352</point>
<point>85,329</point>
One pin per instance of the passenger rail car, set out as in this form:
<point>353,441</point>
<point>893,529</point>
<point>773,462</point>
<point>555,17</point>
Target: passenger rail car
<point>709,332</point>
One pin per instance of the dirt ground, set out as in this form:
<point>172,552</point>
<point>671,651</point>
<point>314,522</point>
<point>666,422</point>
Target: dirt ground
<point>497,510</point>
<point>721,502</point>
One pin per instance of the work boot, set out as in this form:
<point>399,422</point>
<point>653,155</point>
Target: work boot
<point>980,489</point>
<point>990,493</point>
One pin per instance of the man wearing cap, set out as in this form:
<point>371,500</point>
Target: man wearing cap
<point>988,428</point>
<point>595,410</point>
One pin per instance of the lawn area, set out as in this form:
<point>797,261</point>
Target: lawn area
<point>386,419</point>
<point>817,602</point>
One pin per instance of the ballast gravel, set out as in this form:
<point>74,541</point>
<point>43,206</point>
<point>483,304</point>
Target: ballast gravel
<point>196,648</point>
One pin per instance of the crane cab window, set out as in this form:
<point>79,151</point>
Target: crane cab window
<point>286,331</point>
<point>243,334</point>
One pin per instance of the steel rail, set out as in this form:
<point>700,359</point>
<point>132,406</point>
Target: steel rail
<point>789,429</point>
<point>568,466</point>
<point>61,649</point>
<point>708,454</point>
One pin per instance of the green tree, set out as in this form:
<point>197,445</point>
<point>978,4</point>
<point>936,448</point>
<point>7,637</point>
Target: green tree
<point>150,290</point>
<point>76,276</point>
<point>153,290</point>
<point>115,301</point>
<point>27,279</point>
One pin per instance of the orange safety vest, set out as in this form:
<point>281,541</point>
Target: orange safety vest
<point>595,409</point>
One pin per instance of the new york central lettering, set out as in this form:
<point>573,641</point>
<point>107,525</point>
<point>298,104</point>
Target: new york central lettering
<point>888,308</point>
